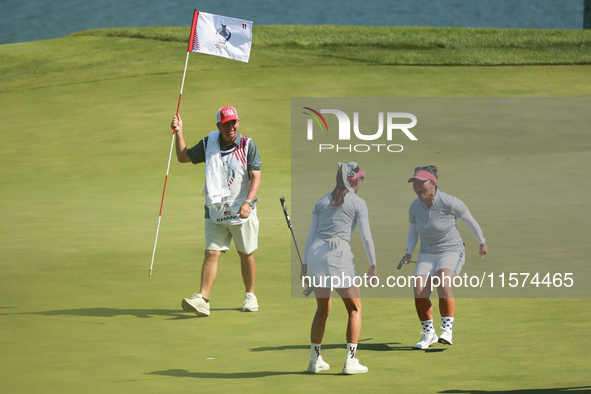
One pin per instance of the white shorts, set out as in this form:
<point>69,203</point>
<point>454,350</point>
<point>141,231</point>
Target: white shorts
<point>429,264</point>
<point>331,268</point>
<point>245,235</point>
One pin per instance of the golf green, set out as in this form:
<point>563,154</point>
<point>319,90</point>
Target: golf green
<point>84,144</point>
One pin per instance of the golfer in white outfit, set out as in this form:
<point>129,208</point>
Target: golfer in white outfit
<point>328,261</point>
<point>433,216</point>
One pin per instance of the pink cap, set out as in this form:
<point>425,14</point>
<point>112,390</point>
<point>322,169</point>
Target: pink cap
<point>423,175</point>
<point>358,174</point>
<point>226,114</point>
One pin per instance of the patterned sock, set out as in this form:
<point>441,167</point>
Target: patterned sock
<point>427,325</point>
<point>351,351</point>
<point>314,351</point>
<point>447,322</point>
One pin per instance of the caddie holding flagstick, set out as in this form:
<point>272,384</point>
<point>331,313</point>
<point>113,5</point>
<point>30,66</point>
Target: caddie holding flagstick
<point>213,35</point>
<point>232,180</point>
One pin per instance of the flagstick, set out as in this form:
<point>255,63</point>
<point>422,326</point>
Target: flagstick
<point>168,167</point>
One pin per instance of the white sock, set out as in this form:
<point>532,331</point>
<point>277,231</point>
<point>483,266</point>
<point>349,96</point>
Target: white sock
<point>447,322</point>
<point>351,350</point>
<point>314,351</point>
<point>427,325</point>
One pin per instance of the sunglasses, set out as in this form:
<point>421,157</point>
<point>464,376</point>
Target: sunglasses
<point>353,178</point>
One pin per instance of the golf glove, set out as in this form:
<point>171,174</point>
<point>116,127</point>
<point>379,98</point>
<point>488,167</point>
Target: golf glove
<point>333,243</point>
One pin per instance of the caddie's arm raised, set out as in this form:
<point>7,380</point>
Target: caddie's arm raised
<point>181,146</point>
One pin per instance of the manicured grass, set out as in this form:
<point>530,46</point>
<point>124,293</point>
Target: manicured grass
<point>400,45</point>
<point>83,147</point>
<point>117,53</point>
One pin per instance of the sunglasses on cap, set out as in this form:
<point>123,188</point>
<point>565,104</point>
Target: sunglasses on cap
<point>359,175</point>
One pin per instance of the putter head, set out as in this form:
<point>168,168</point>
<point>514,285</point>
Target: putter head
<point>401,263</point>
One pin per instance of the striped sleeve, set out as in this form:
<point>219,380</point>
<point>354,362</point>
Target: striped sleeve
<point>253,158</point>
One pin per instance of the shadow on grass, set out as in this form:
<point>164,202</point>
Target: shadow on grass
<point>183,373</point>
<point>115,312</point>
<point>581,389</point>
<point>376,347</point>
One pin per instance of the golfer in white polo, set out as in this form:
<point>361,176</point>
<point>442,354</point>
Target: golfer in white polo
<point>433,216</point>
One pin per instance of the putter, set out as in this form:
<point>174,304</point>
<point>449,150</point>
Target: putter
<point>401,263</point>
<point>288,220</point>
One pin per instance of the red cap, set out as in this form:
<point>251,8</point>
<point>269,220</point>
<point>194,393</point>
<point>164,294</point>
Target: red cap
<point>423,175</point>
<point>226,114</point>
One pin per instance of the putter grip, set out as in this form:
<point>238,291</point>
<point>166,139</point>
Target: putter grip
<point>287,218</point>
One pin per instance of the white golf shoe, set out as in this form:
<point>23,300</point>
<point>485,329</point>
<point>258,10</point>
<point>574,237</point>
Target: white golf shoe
<point>427,340</point>
<point>250,303</point>
<point>318,365</point>
<point>353,367</point>
<point>196,304</point>
<point>446,336</point>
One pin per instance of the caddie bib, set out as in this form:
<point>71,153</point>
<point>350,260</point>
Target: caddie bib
<point>235,175</point>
